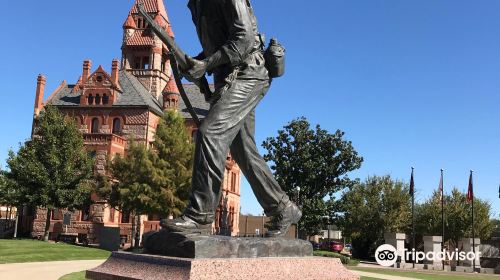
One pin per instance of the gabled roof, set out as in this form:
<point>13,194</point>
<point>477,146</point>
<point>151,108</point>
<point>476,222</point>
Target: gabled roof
<point>197,99</point>
<point>100,71</point>
<point>134,94</point>
<point>130,22</point>
<point>155,7</point>
<point>151,6</point>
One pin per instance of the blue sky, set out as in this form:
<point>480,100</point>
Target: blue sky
<point>412,83</point>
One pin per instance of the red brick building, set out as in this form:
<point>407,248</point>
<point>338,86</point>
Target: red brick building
<point>111,108</point>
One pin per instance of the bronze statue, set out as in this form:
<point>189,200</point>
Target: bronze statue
<point>233,51</point>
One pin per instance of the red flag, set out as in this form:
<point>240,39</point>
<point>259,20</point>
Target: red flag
<point>412,184</point>
<point>470,191</point>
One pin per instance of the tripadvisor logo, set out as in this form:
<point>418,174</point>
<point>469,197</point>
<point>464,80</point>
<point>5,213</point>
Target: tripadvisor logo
<point>387,255</point>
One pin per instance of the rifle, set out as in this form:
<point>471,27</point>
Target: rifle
<point>178,59</point>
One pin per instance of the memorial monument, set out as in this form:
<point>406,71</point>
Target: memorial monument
<point>234,53</point>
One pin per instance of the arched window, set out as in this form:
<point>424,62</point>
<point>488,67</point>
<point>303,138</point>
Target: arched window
<point>105,99</point>
<point>97,99</point>
<point>117,126</point>
<point>90,99</point>
<point>95,125</point>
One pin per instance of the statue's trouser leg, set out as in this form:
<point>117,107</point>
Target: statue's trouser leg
<point>226,120</point>
<point>244,151</point>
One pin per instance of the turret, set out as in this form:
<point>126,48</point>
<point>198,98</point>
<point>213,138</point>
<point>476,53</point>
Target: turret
<point>171,95</point>
<point>143,54</point>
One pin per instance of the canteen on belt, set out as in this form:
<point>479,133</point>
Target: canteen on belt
<point>275,59</point>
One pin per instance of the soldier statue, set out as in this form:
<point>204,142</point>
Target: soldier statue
<point>233,52</point>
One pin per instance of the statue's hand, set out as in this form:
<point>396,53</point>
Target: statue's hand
<point>197,71</point>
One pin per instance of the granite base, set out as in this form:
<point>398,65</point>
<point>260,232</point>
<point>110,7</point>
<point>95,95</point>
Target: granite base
<point>215,246</point>
<point>127,266</point>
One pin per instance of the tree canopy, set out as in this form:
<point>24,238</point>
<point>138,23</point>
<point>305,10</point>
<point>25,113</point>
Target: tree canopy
<point>457,217</point>
<point>371,208</point>
<point>315,161</point>
<point>153,180</point>
<point>53,169</point>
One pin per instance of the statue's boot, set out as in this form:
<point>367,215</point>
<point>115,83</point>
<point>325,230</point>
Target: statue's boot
<point>280,223</point>
<point>186,225</point>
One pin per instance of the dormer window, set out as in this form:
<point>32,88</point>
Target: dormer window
<point>90,99</point>
<point>141,23</point>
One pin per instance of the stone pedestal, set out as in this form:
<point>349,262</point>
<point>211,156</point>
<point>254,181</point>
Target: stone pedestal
<point>398,241</point>
<point>433,244</point>
<point>127,266</point>
<point>465,245</point>
<point>109,238</point>
<point>215,246</point>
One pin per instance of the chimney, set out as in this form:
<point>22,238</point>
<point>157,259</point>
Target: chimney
<point>40,90</point>
<point>87,64</point>
<point>114,71</point>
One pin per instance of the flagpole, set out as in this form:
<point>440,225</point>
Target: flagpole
<point>442,211</point>
<point>473,229</point>
<point>412,188</point>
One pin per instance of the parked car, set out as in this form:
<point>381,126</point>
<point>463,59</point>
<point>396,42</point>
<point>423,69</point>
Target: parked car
<point>315,245</point>
<point>332,246</point>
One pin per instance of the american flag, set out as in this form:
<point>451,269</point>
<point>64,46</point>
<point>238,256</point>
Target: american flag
<point>470,191</point>
<point>412,184</point>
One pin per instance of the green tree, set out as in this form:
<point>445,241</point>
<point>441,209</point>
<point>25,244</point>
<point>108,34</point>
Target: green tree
<point>372,208</point>
<point>53,169</point>
<point>4,191</point>
<point>314,161</point>
<point>153,181</point>
<point>175,151</point>
<point>9,194</point>
<point>458,217</point>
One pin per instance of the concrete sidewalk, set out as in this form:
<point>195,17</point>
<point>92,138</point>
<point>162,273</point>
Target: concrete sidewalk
<point>44,270</point>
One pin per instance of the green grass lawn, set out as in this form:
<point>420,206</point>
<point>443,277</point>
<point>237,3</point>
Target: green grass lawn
<point>74,276</point>
<point>20,251</point>
<point>346,260</point>
<point>428,275</point>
